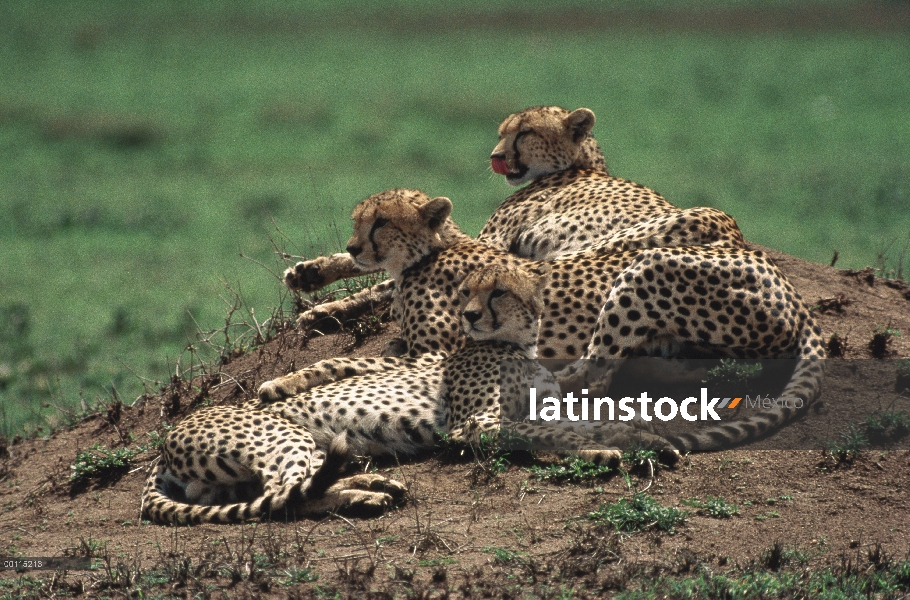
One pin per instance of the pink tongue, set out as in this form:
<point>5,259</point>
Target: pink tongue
<point>500,167</point>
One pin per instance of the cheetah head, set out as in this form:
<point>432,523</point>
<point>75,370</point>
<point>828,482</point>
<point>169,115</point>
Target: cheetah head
<point>545,139</point>
<point>396,228</point>
<point>504,303</point>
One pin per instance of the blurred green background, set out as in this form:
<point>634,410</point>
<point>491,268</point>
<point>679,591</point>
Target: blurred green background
<point>145,146</point>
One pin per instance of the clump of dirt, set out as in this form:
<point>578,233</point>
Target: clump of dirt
<point>469,527</point>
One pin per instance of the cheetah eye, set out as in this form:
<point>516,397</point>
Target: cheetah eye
<point>465,292</point>
<point>380,222</point>
<point>497,293</point>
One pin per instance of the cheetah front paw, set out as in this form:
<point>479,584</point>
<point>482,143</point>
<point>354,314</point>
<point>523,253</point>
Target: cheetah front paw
<point>378,483</point>
<point>366,494</point>
<point>308,276</point>
<point>275,390</point>
<point>314,315</point>
<point>363,503</point>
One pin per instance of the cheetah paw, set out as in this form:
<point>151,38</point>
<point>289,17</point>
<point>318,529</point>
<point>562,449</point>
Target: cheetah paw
<point>314,315</point>
<point>306,276</point>
<point>610,458</point>
<point>363,503</point>
<point>377,483</point>
<point>273,391</point>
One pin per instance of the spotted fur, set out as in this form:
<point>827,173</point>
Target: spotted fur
<point>719,297</point>
<point>412,237</point>
<point>228,465</point>
<point>396,405</point>
<point>571,204</point>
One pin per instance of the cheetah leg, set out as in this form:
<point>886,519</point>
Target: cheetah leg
<point>351,307</point>
<point>363,495</point>
<point>313,275</point>
<point>295,477</point>
<point>335,369</point>
<point>538,436</point>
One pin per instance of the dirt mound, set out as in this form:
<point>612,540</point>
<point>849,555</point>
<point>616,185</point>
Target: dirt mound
<point>466,528</point>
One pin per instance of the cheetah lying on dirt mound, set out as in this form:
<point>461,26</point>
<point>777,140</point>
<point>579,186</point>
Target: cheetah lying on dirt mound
<point>412,237</point>
<point>227,465</point>
<point>395,405</point>
<point>626,299</point>
<point>571,204</point>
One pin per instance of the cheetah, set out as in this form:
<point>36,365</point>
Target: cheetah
<point>726,302</point>
<point>396,405</point>
<point>227,465</point>
<point>643,293</point>
<point>571,204</point>
<point>413,238</point>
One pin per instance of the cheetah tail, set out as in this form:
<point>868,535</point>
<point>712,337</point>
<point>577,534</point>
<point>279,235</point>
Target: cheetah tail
<point>336,459</point>
<point>805,384</point>
<point>159,507</point>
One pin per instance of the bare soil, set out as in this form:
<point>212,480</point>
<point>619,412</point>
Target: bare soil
<point>444,539</point>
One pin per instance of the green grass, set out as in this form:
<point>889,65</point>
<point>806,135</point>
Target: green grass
<point>640,513</point>
<point>713,507</point>
<point>571,470</point>
<point>98,462</point>
<point>255,118</point>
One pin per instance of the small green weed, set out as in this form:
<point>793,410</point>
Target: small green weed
<point>640,456</point>
<point>778,556</point>
<point>879,427</point>
<point>638,514</point>
<point>156,440</point>
<point>887,425</point>
<point>731,371</point>
<point>849,444</point>
<point>714,507</point>
<point>572,470</point>
<point>503,555</point>
<point>296,575</point>
<point>98,461</point>
<point>437,562</point>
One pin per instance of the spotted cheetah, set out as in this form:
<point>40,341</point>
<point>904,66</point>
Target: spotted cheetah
<point>718,297</point>
<point>228,465</point>
<point>395,405</point>
<point>412,237</point>
<point>571,204</point>
<point>727,302</point>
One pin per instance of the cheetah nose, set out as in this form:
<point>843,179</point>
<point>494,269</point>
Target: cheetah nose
<point>354,250</point>
<point>471,316</point>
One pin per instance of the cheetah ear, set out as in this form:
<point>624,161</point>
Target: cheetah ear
<point>539,276</point>
<point>580,122</point>
<point>435,212</point>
